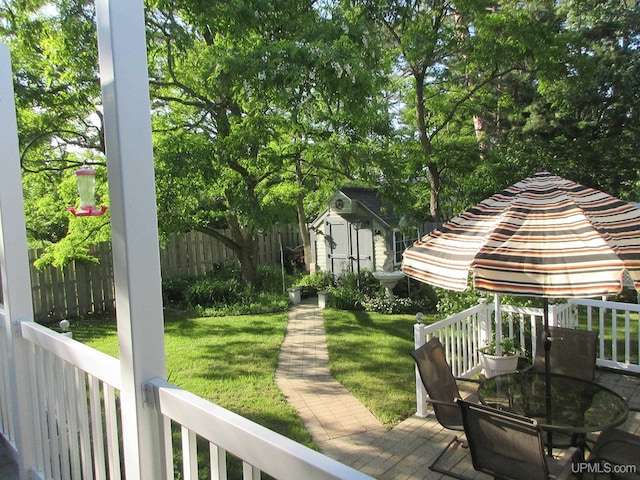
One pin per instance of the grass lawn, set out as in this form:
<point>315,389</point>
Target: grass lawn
<point>369,355</point>
<point>230,361</point>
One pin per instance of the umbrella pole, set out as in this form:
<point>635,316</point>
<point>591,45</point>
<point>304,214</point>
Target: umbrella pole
<point>547,369</point>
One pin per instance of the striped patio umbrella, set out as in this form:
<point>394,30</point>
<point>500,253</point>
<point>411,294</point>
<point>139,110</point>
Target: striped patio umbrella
<point>544,236</point>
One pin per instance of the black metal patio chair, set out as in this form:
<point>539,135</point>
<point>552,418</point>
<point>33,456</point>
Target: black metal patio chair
<point>510,446</point>
<point>573,352</point>
<point>442,388</point>
<point>616,453</point>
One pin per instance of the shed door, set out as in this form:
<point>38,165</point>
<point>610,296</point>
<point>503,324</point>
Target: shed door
<point>348,249</point>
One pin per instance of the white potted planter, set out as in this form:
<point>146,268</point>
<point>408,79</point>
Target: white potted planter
<point>507,362</point>
<point>322,298</point>
<point>294,295</point>
<point>493,365</point>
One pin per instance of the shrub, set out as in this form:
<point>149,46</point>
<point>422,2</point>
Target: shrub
<point>174,290</point>
<point>350,290</point>
<point>450,302</point>
<point>222,292</point>
<point>423,296</point>
<point>255,304</point>
<point>353,291</point>
<point>314,282</point>
<point>270,278</point>
<point>344,299</point>
<point>208,291</point>
<point>386,305</point>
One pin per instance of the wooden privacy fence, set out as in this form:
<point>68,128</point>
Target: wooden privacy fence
<point>78,289</point>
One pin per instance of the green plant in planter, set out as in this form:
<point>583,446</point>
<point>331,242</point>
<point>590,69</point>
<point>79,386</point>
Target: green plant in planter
<point>493,364</point>
<point>510,346</point>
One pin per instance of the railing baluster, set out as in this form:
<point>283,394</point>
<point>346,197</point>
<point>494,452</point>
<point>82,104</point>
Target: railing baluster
<point>97,432</point>
<point>249,472</point>
<point>6,414</point>
<point>34,370</point>
<point>167,440</point>
<point>627,337</point>
<point>84,427</point>
<point>638,339</point>
<point>217,462</point>
<point>50,411</point>
<point>62,419</point>
<point>111,429</point>
<point>614,334</point>
<point>72,430</point>
<point>189,454</point>
<point>601,315</point>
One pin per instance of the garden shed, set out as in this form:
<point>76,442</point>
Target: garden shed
<point>358,231</point>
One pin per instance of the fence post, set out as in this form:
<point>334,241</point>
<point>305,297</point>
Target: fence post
<point>421,393</point>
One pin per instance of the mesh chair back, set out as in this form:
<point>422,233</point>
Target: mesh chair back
<point>573,352</point>
<point>502,444</point>
<point>439,382</point>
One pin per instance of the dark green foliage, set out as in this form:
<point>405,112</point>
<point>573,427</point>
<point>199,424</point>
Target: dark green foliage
<point>351,289</point>
<point>210,290</point>
<point>315,282</point>
<point>362,291</point>
<point>174,290</point>
<point>450,302</point>
<point>423,296</point>
<point>222,292</point>
<point>270,279</point>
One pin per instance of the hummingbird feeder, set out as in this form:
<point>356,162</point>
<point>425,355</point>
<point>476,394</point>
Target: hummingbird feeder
<point>86,182</point>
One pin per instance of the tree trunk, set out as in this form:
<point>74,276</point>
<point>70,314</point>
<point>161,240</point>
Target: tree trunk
<point>249,266</point>
<point>243,244</point>
<point>425,143</point>
<point>478,121</point>
<point>246,253</point>
<point>481,135</point>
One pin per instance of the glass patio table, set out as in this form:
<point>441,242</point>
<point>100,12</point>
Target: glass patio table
<point>576,406</point>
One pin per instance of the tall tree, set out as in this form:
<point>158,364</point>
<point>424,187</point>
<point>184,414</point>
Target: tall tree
<point>255,101</point>
<point>256,107</point>
<point>585,119</point>
<point>451,51</point>
<point>59,118</point>
<point>261,108</point>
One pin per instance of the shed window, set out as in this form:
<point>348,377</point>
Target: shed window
<point>401,241</point>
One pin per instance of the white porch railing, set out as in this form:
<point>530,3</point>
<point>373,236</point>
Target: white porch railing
<point>77,419</point>
<point>464,333</point>
<point>260,449</point>
<point>618,325</point>
<point>75,407</point>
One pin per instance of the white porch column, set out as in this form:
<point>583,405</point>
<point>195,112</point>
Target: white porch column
<point>136,258</point>
<point>14,264</point>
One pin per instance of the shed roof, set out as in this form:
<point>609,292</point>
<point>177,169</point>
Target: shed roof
<point>370,200</point>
